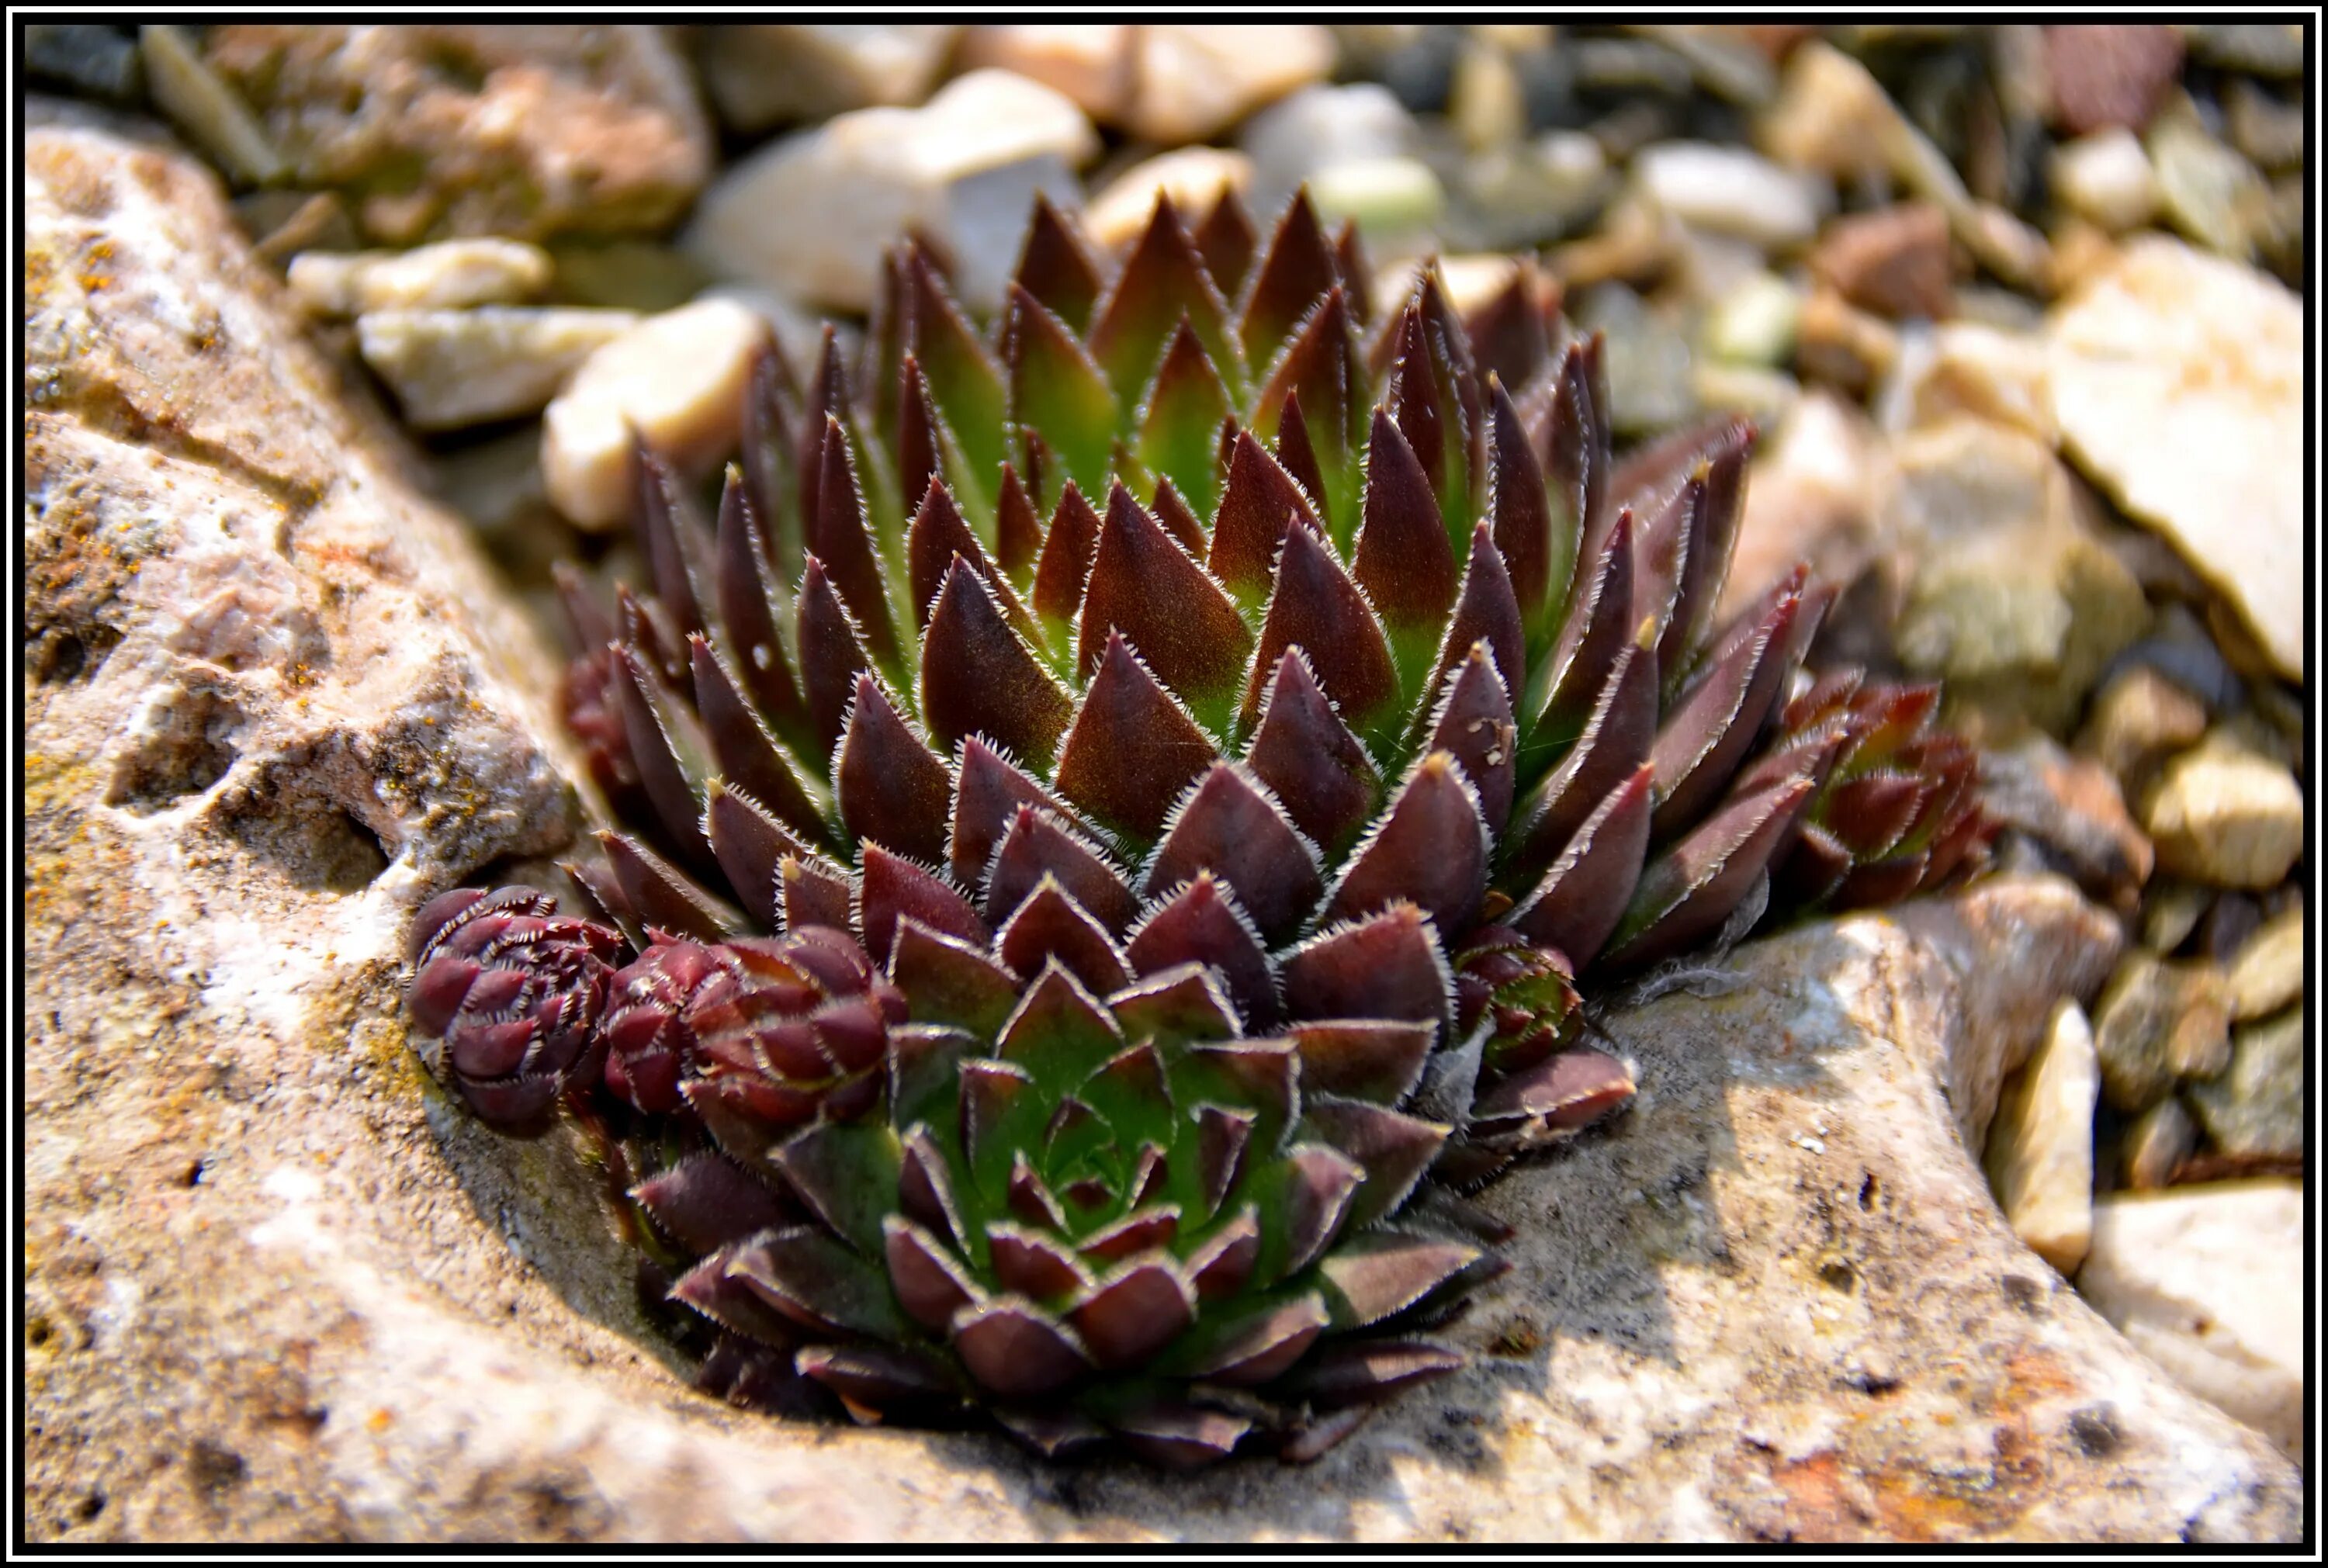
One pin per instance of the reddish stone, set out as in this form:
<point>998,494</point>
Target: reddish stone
<point>1894,262</point>
<point>2115,75</point>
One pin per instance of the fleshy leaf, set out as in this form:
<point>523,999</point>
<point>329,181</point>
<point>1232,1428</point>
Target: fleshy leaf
<point>1069,544</point>
<point>978,675</point>
<point>1385,1271</point>
<point>1162,284</point>
<point>1202,924</point>
<point>988,788</point>
<point>1038,845</point>
<point>1687,894</point>
<point>660,894</point>
<point>964,380</point>
<point>809,1276</point>
<point>1473,724</point>
<point>1132,748</point>
<point>1304,751</point>
<point>1316,606</point>
<point>1295,272</point>
<point>890,785</point>
<point>1048,927</point>
<point>1054,268</point>
<point>707,1201</point>
<point>1144,586</point>
<point>1581,899</point>
<point>1181,413</point>
<point>1387,966</point>
<point>845,1172</point>
<point>1430,849</point>
<point>1599,625</point>
<point>1230,824</point>
<point>1717,720</point>
<point>840,535</point>
<point>750,606</point>
<point>1134,1312</point>
<point>832,654</point>
<point>1403,561</point>
<point>1259,501</point>
<point>1058,391</point>
<point>947,981</point>
<point>748,756</point>
<point>1616,740</point>
<point>1371,1059</point>
<point>891,887</point>
<point>1394,1149</point>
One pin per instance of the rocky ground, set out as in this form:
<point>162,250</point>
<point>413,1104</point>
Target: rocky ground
<point>311,407</point>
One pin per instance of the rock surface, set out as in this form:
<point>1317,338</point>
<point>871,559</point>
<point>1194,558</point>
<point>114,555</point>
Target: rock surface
<point>768,73</point>
<point>2221,813</point>
<point>452,367</point>
<point>443,129</point>
<point>451,274</point>
<point>2178,380</point>
<point>2208,1282</point>
<point>278,1288</point>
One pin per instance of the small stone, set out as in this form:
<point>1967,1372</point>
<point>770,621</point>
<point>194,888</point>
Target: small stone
<point>2267,131</point>
<point>454,368</point>
<point>1193,82</point>
<point>1389,197</point>
<point>2220,814</point>
<point>2256,1109</point>
<point>1628,66</point>
<point>208,109</point>
<point>2268,972</point>
<point>1635,244</point>
<point>2258,48</point>
<point>1420,72</point>
<point>1194,177</point>
<point>1486,104</point>
<point>2014,600</point>
<point>2229,922</point>
<point>2136,719</point>
<point>2178,380</point>
<point>2110,75</point>
<point>1647,357</point>
<point>1731,191</point>
<point>451,274</point>
<point>1090,64</point>
<point>773,73</point>
<point>1893,261</point>
<point>2207,190</point>
<point>2172,909</point>
<point>1754,322</point>
<point>1760,393</point>
<point>2158,1141</point>
<point>2107,177</point>
<point>1812,497</point>
<point>2072,806</point>
<point>2156,1021</point>
<point>2039,1156</point>
<point>438,129</point>
<point>1836,342</point>
<point>676,379</point>
<point>2206,1281</point>
<point>1974,370</point>
<point>809,215</point>
<point>92,60</point>
<point>1292,139</point>
<point>2179,645</point>
<point>1830,114</point>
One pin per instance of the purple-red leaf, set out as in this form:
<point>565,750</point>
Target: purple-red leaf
<point>1231,825</point>
<point>1145,586</point>
<point>891,887</point>
<point>1259,502</point>
<point>889,784</point>
<point>1304,752</point>
<point>1054,268</point>
<point>1132,748</point>
<point>1316,606</point>
<point>1039,845</point>
<point>1430,849</point>
<point>978,675</point>
<point>1388,966</point>
<point>1581,899</point>
<point>1203,924</point>
<point>1403,559</point>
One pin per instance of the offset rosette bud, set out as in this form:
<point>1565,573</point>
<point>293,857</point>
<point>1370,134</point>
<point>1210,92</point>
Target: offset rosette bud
<point>516,992</point>
<point>781,1031</point>
<point>650,1045</point>
<point>1525,991</point>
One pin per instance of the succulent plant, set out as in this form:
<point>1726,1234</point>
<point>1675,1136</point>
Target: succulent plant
<point>1148,635</point>
<point>1109,809</point>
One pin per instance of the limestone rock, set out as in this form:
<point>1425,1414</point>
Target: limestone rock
<point>2136,719</point>
<point>2073,808</point>
<point>2222,814</point>
<point>2107,177</point>
<point>2256,1109</point>
<point>1091,63</point>
<point>443,129</point>
<point>2159,1139</point>
<point>1194,177</point>
<point>771,73</point>
<point>452,367</point>
<point>2158,1022</point>
<point>451,274</point>
<point>1976,370</point>
<point>2178,380</point>
<point>675,380</point>
<point>2207,1281</point>
<point>2268,972</point>
<point>809,215</point>
<point>2015,601</point>
<point>2110,75</point>
<point>1732,191</point>
<point>1893,261</point>
<point>1194,81</point>
<point>1319,126</point>
<point>278,1288</point>
<point>2040,1156</point>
